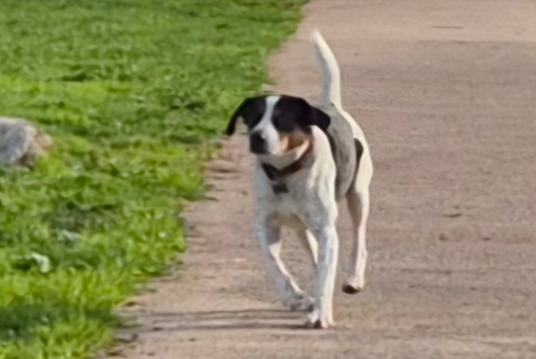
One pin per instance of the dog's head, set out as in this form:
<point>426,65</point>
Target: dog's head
<point>277,124</point>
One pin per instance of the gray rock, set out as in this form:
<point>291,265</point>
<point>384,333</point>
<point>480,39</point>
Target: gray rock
<point>21,143</point>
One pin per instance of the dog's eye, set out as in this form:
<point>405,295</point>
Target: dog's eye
<point>252,119</point>
<point>282,124</point>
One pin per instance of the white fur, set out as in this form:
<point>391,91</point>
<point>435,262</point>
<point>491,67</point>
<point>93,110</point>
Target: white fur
<point>266,128</point>
<point>309,207</point>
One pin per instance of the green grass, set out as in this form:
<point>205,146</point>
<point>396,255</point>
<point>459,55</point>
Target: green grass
<point>131,90</point>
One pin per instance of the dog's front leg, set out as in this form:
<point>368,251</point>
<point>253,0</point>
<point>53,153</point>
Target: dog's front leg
<point>269,235</point>
<point>328,243</point>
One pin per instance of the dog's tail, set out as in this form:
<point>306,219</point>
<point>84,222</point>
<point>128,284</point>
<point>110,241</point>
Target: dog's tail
<point>331,76</point>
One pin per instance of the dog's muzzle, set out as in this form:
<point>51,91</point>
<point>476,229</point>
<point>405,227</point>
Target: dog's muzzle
<point>257,144</point>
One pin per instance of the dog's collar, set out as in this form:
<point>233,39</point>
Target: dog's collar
<point>277,175</point>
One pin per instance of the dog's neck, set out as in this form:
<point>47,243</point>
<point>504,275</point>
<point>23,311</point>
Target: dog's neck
<point>288,158</point>
<point>288,164</point>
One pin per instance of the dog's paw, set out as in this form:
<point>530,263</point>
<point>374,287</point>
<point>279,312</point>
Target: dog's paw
<point>353,286</point>
<point>300,301</point>
<point>352,289</point>
<point>319,320</point>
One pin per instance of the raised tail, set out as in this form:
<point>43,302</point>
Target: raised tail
<point>331,76</point>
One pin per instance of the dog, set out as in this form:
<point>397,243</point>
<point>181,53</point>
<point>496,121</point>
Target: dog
<point>308,159</point>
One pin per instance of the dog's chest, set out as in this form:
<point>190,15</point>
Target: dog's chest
<point>288,211</point>
<point>293,203</point>
<point>301,206</point>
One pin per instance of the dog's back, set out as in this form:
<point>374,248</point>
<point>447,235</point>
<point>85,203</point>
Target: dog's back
<point>346,151</point>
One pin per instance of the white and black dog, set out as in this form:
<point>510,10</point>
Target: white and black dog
<point>307,160</point>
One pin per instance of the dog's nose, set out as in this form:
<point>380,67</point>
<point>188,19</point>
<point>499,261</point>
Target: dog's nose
<point>257,144</point>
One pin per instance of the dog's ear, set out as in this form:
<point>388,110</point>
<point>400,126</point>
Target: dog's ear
<point>231,127</point>
<point>319,118</point>
<point>247,110</point>
<point>310,115</point>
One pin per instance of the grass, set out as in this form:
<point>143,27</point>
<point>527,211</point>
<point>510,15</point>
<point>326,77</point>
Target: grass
<point>131,91</point>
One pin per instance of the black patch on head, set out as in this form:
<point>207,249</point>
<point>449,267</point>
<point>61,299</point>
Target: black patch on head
<point>292,113</point>
<point>251,110</point>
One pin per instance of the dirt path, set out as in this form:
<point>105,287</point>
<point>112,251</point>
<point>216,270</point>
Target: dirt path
<point>446,93</point>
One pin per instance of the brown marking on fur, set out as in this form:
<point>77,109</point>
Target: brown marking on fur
<point>291,140</point>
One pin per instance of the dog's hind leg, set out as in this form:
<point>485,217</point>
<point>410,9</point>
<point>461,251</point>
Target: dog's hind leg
<point>358,205</point>
<point>290,293</point>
